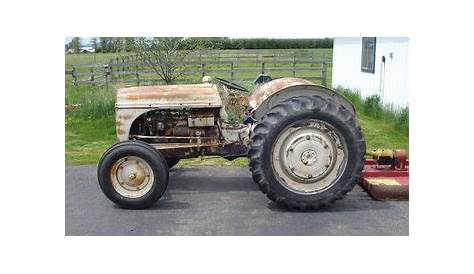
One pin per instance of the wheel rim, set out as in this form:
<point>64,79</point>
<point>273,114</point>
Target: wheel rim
<point>309,156</point>
<point>132,177</point>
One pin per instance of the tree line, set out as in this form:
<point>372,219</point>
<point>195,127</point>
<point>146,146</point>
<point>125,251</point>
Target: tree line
<point>128,44</point>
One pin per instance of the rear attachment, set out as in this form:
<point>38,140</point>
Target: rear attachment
<point>386,176</point>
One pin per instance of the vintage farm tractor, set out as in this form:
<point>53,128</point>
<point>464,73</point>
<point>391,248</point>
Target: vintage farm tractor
<point>303,142</point>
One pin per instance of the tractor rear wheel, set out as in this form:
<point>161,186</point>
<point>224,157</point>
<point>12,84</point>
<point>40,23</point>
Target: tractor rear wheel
<point>133,174</point>
<point>306,152</point>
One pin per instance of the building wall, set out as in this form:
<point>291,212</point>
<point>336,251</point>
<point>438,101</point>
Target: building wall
<point>391,86</point>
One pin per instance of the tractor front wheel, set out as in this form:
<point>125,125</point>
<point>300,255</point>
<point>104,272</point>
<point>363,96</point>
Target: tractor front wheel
<point>133,174</point>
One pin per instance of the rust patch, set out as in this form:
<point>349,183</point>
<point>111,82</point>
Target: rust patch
<point>202,95</point>
<point>165,92</point>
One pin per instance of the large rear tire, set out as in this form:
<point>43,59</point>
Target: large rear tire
<point>133,174</point>
<point>306,152</point>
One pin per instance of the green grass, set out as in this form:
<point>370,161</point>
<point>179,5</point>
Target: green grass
<point>90,129</point>
<point>87,139</point>
<point>102,58</point>
<point>243,59</point>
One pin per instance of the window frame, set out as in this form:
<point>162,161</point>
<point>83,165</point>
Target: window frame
<point>368,69</point>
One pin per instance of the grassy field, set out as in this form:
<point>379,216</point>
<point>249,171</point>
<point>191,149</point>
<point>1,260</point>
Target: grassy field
<point>90,128</point>
<point>103,58</point>
<point>246,64</point>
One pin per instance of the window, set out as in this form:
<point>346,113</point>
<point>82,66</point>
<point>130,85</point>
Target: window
<point>368,54</point>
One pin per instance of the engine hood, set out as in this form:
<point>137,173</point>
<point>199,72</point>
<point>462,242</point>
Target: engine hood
<point>169,97</point>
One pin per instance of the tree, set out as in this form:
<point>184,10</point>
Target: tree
<point>118,44</point>
<point>164,55</point>
<point>94,43</point>
<point>129,43</point>
<point>76,44</point>
<point>106,44</point>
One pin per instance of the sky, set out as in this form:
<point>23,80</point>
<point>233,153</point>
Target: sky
<point>84,40</point>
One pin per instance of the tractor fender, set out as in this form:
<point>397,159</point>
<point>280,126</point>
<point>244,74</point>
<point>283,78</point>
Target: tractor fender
<point>274,92</point>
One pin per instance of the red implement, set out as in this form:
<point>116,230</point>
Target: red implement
<point>385,182</point>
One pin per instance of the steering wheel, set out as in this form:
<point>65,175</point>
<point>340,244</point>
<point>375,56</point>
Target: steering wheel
<point>231,84</point>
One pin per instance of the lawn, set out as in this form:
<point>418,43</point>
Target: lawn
<point>90,129</point>
<point>246,64</point>
<point>103,58</point>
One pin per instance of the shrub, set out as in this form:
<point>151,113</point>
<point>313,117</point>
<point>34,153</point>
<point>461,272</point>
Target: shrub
<point>402,120</point>
<point>373,106</point>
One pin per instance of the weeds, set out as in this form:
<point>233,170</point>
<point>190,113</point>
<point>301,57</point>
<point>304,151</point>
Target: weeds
<point>372,106</point>
<point>95,102</point>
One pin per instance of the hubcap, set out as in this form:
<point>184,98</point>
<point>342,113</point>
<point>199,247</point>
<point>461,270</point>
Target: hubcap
<point>308,155</point>
<point>132,177</point>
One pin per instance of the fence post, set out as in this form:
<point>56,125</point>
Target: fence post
<point>74,75</point>
<point>118,67</point>
<point>294,65</point>
<point>107,70</point>
<point>111,68</point>
<point>92,75</point>
<point>232,71</point>
<point>123,66</point>
<point>137,75</point>
<point>324,74</point>
<point>263,67</point>
<point>203,69</point>
<point>312,59</point>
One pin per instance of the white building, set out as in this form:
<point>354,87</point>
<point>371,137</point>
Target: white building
<point>373,65</point>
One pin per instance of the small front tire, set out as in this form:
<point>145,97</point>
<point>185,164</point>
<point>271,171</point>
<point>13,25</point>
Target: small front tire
<point>133,174</point>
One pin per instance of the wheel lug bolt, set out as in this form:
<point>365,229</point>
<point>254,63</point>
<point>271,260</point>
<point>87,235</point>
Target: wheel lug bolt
<point>308,137</point>
<point>310,176</point>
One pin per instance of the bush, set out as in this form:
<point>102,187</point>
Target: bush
<point>402,119</point>
<point>373,106</point>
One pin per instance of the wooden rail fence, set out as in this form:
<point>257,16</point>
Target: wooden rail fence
<point>128,70</point>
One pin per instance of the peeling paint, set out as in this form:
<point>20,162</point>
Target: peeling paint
<point>169,97</point>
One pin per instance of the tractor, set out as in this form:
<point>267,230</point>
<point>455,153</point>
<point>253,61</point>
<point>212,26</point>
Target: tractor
<point>303,142</point>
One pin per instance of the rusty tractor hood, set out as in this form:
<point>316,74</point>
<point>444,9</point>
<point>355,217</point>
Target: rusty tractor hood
<point>268,89</point>
<point>169,97</point>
